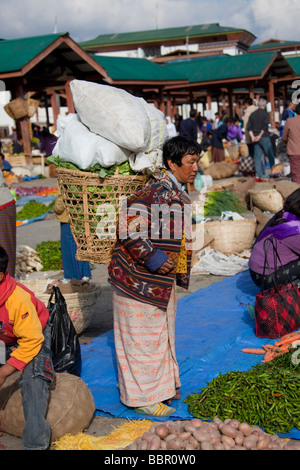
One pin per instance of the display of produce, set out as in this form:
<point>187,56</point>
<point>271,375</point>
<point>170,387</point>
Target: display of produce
<point>266,396</point>
<point>195,434</point>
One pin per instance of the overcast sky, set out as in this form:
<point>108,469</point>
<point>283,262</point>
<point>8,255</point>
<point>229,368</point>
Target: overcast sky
<point>86,19</point>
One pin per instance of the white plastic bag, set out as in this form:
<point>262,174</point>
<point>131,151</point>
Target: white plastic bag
<point>118,116</point>
<point>78,145</point>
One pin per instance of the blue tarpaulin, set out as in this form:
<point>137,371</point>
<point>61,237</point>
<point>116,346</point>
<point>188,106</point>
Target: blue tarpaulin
<point>212,327</point>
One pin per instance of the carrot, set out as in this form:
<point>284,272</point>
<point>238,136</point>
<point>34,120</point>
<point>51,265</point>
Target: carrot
<point>253,351</point>
<point>288,338</point>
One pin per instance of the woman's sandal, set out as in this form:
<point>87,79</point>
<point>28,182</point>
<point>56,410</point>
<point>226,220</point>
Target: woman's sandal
<point>158,409</point>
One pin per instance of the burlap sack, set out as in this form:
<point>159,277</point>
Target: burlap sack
<point>221,170</point>
<point>71,406</point>
<point>286,187</point>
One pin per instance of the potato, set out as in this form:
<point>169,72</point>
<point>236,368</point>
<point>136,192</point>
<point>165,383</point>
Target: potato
<point>238,448</point>
<point>219,446</point>
<point>250,442</point>
<point>263,442</point>
<point>239,438</point>
<point>188,427</point>
<point>200,435</point>
<point>228,430</point>
<point>235,423</point>
<point>206,445</point>
<point>170,437</point>
<point>184,436</point>
<point>144,445</point>
<point>189,447</point>
<point>196,422</point>
<point>245,429</point>
<point>227,440</point>
<point>155,443</point>
<point>161,430</point>
<point>176,444</point>
<point>194,442</point>
<point>148,436</point>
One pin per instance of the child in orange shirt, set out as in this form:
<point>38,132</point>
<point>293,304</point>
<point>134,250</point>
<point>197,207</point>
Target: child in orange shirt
<point>25,331</point>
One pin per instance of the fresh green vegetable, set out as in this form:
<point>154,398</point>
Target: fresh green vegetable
<point>50,255</point>
<point>218,201</point>
<point>123,169</point>
<point>267,395</point>
<point>33,209</point>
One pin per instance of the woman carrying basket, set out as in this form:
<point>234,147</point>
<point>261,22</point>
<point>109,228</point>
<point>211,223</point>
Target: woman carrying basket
<point>151,256</point>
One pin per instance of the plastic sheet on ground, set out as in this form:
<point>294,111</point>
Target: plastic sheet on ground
<point>212,327</point>
<point>216,263</point>
<point>20,223</point>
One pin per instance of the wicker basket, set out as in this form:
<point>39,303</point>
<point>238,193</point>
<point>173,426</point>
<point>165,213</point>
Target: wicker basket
<point>17,108</point>
<point>231,236</point>
<point>80,305</point>
<point>85,194</point>
<point>266,199</point>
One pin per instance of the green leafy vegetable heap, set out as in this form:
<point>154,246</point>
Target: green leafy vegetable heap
<point>267,395</point>
<point>123,168</point>
<point>219,201</point>
<point>50,255</point>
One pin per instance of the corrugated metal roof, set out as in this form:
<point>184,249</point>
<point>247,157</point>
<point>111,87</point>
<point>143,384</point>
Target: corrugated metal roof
<point>16,53</point>
<point>295,63</point>
<point>224,67</point>
<point>123,68</point>
<point>158,35</point>
<point>274,44</point>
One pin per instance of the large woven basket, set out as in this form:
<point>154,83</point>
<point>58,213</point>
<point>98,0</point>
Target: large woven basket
<point>80,305</point>
<point>17,108</point>
<point>231,236</point>
<point>85,196</point>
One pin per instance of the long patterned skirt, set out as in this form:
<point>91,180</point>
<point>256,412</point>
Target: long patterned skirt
<point>148,372</point>
<point>73,269</point>
<point>8,235</point>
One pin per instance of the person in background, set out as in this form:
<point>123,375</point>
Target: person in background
<point>18,146</point>
<point>284,229</point>
<point>206,126</point>
<point>8,234</point>
<point>47,142</point>
<point>216,121</point>
<point>288,113</point>
<point>217,147</point>
<point>171,127</point>
<point>73,269</point>
<point>4,164</point>
<point>291,135</point>
<point>144,271</point>
<point>188,127</point>
<point>26,334</point>
<point>258,128</point>
<point>235,133</point>
<point>249,108</point>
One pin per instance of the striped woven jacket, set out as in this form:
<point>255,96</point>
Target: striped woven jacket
<point>153,220</point>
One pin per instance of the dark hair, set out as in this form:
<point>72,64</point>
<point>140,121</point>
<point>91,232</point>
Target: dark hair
<point>292,203</point>
<point>2,156</point>
<point>297,109</point>
<point>3,260</point>
<point>177,147</point>
<point>193,113</point>
<point>248,101</point>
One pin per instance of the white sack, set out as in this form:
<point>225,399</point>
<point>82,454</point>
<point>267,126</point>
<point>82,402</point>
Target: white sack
<point>78,145</point>
<point>146,162</point>
<point>118,116</point>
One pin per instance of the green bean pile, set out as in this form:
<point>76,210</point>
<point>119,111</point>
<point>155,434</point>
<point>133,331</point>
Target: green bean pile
<point>268,395</point>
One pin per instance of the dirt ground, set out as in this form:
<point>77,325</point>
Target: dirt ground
<point>101,322</point>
